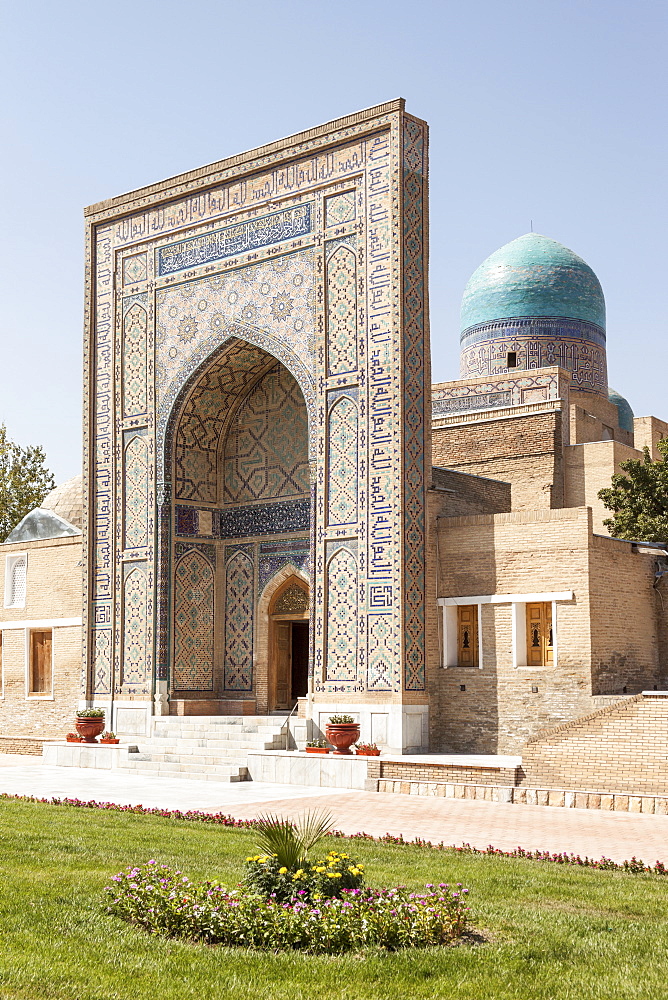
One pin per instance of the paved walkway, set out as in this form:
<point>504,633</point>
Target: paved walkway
<point>454,821</point>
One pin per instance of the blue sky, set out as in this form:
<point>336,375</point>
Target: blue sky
<point>551,112</point>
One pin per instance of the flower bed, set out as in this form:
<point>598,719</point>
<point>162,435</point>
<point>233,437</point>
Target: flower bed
<point>164,901</point>
<point>323,879</point>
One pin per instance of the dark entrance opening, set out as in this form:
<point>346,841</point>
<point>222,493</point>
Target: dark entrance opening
<point>299,658</point>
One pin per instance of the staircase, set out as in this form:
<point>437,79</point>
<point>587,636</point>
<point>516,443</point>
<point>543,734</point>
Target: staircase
<point>208,748</point>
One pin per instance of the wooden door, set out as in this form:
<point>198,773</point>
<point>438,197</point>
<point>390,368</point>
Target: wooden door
<point>40,662</point>
<point>282,663</point>
<point>540,641</point>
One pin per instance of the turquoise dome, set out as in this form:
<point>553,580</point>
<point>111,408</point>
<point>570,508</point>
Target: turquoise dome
<point>623,409</point>
<point>533,276</point>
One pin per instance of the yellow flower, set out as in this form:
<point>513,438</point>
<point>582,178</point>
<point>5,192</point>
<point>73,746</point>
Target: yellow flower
<point>333,874</point>
<point>344,855</point>
<point>282,871</point>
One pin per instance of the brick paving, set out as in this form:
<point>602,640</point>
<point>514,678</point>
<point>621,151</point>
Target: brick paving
<point>616,835</point>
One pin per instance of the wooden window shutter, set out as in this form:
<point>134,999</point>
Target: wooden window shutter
<point>467,635</point>
<point>540,645</point>
<point>40,662</point>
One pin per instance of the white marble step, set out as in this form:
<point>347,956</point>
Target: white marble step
<point>231,771</point>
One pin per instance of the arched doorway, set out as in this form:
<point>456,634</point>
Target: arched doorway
<point>238,455</point>
<point>288,644</point>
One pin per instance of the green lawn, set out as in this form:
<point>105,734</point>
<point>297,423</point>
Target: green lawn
<point>550,931</point>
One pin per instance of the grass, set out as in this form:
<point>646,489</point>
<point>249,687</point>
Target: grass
<point>550,931</point>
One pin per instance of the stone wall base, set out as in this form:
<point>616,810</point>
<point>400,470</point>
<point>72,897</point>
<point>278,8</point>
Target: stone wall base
<point>612,801</point>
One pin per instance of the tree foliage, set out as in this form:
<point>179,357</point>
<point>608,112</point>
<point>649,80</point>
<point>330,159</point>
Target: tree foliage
<point>24,481</point>
<point>639,499</point>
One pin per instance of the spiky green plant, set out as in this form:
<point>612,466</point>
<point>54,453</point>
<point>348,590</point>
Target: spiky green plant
<point>289,841</point>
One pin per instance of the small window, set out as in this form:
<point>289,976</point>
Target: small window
<point>15,581</point>
<point>467,635</point>
<point>41,667</point>
<point>511,361</point>
<point>540,635</point>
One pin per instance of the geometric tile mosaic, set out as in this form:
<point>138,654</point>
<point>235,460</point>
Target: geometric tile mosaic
<point>342,616</point>
<point>134,360</point>
<point>239,623</point>
<point>342,311</point>
<point>340,208</point>
<point>193,623</point>
<point>266,449</point>
<point>136,493</point>
<point>342,453</point>
<point>134,660</point>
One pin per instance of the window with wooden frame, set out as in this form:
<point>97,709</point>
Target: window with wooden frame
<point>467,635</point>
<point>40,667</point>
<point>540,635</point>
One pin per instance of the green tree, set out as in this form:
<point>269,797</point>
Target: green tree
<point>639,499</point>
<point>24,481</point>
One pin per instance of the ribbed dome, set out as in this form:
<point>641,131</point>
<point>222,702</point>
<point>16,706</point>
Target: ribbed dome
<point>623,409</point>
<point>533,276</point>
<point>67,501</point>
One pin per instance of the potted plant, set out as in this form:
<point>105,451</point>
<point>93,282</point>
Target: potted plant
<point>89,723</point>
<point>342,731</point>
<point>317,746</point>
<point>367,750</point>
<point>73,738</point>
<point>109,737</point>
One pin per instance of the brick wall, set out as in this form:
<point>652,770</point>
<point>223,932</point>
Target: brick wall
<point>626,617</point>
<point>623,748</point>
<point>524,451</point>
<point>647,432</point>
<point>589,468</point>
<point>469,494</point>
<point>53,591</point>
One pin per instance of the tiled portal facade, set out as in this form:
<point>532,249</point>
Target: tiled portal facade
<point>256,404</point>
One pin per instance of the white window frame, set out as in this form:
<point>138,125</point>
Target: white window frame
<point>10,563</point>
<point>450,633</point>
<point>518,604</point>
<point>45,696</point>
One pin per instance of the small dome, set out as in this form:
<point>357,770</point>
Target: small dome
<point>623,409</point>
<point>67,501</point>
<point>533,276</point>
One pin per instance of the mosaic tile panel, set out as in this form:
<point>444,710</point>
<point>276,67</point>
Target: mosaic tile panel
<point>293,600</point>
<point>341,627</point>
<point>379,652</point>
<point>134,360</point>
<point>252,234</point>
<point>238,667</point>
<point>341,311</point>
<point>340,208</point>
<point>343,486</point>
<point>135,268</point>
<point>266,449</point>
<point>413,295</point>
<point>287,554</point>
<point>102,661</point>
<point>194,612</point>
<point>136,493</point>
<point>265,519</point>
<point>134,672</point>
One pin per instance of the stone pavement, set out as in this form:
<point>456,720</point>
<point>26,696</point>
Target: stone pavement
<point>454,821</point>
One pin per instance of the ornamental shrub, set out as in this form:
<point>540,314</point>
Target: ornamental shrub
<point>324,879</point>
<point>165,902</point>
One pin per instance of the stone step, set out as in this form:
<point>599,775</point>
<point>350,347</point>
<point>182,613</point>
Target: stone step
<point>207,721</point>
<point>240,739</point>
<point>236,770</point>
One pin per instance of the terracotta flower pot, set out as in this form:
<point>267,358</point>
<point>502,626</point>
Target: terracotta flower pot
<point>368,753</point>
<point>317,749</point>
<point>89,728</point>
<point>342,735</point>
<point>110,741</point>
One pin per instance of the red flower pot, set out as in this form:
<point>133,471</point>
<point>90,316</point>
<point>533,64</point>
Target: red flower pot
<point>317,749</point>
<point>342,735</point>
<point>110,741</point>
<point>88,729</point>
<point>368,753</point>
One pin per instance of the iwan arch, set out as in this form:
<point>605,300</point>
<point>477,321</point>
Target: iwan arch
<point>256,433</point>
<point>264,525</point>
